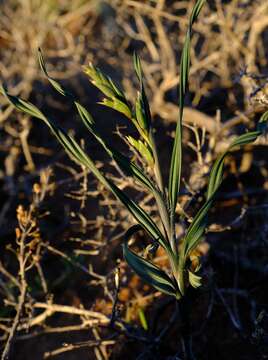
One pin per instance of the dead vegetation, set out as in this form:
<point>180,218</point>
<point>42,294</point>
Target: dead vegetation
<point>64,286</point>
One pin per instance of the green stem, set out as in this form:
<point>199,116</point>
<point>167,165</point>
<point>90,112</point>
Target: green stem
<point>173,234</point>
<point>157,170</point>
<point>161,201</point>
<point>181,270</point>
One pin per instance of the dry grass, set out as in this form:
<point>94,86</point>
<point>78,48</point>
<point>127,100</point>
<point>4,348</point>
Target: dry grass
<point>59,281</point>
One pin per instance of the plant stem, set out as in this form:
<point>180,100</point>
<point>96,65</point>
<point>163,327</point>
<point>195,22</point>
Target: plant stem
<point>163,212</point>
<point>22,297</point>
<point>157,169</point>
<point>173,234</point>
<point>161,200</point>
<point>181,267</point>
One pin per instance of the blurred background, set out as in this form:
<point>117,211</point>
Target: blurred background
<point>76,226</point>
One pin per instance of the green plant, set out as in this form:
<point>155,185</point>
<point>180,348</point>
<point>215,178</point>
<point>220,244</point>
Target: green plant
<point>181,274</point>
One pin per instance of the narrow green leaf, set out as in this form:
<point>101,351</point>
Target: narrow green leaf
<point>262,125</point>
<point>117,105</point>
<point>123,162</point>
<point>176,158</point>
<point>197,228</point>
<point>196,10</point>
<point>143,320</point>
<point>78,154</point>
<point>217,169</point>
<point>21,104</point>
<point>149,272</point>
<point>142,148</point>
<point>53,82</point>
<point>115,97</point>
<point>103,83</point>
<point>141,116</point>
<point>137,66</point>
<point>142,109</point>
<point>194,279</point>
<point>199,222</point>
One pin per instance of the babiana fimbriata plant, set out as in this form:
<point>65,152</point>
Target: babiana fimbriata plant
<point>181,274</point>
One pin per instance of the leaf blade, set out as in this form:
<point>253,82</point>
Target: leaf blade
<point>149,272</point>
<point>176,158</point>
<point>123,162</point>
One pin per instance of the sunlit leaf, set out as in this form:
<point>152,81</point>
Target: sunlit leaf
<point>142,109</point>
<point>176,158</point>
<point>143,320</point>
<point>103,82</point>
<point>143,149</point>
<point>123,162</point>
<point>141,116</point>
<point>194,280</point>
<point>78,154</point>
<point>115,97</point>
<point>117,105</point>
